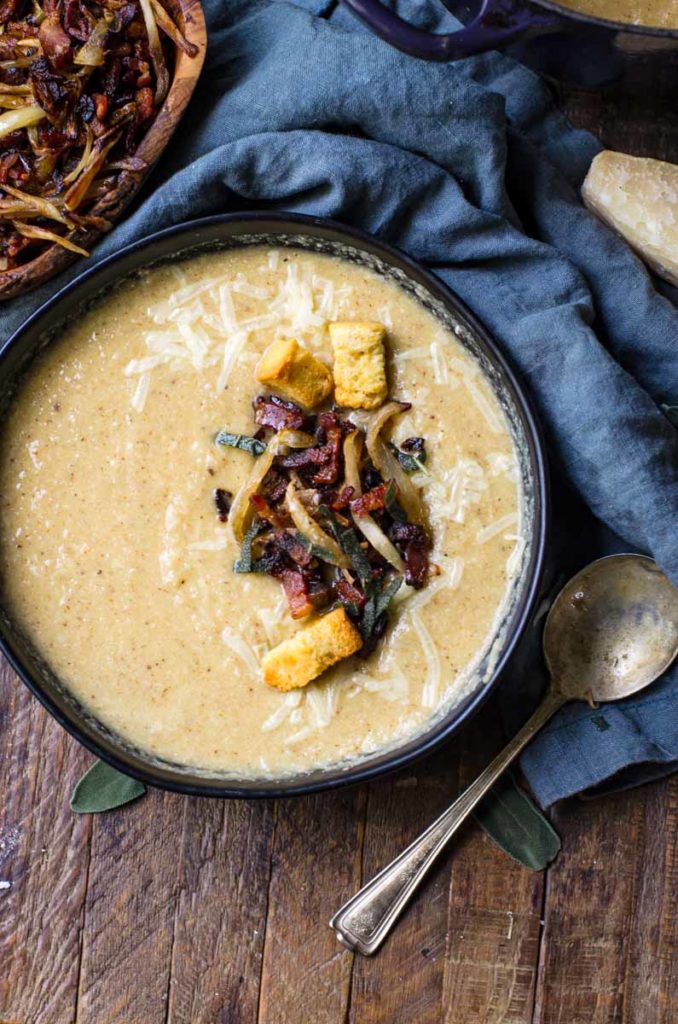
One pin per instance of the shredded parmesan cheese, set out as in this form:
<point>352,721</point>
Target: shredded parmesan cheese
<point>482,404</point>
<point>429,694</point>
<point>456,490</point>
<point>236,643</point>
<point>199,325</point>
<point>287,704</point>
<point>440,374</point>
<point>141,392</point>
<point>502,464</point>
<point>322,702</point>
<point>420,352</point>
<point>492,529</point>
<point>219,543</point>
<point>515,558</point>
<point>232,350</point>
<point>394,688</point>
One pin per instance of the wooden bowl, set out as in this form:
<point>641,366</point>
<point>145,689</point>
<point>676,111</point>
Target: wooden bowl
<point>188,15</point>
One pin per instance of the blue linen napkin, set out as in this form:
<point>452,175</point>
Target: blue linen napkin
<point>469,168</point>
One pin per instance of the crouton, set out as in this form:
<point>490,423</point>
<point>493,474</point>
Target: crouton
<point>295,662</point>
<point>359,364</point>
<point>295,373</point>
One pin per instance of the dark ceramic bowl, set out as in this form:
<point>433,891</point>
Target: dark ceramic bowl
<point>563,44</point>
<point>323,236</point>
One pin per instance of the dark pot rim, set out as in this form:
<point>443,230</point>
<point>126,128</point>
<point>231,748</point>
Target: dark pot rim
<point>207,232</point>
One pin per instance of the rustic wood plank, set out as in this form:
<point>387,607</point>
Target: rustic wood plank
<point>652,952</point>
<point>495,910</point>
<point>404,981</point>
<point>611,930</point>
<point>44,855</point>
<point>641,125</point>
<point>315,867</point>
<point>129,912</point>
<point>220,918</point>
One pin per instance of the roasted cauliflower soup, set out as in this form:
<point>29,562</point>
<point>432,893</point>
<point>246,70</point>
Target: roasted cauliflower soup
<point>259,589</point>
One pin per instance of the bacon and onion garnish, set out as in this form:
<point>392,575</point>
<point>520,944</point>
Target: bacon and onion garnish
<point>81,82</point>
<point>329,510</point>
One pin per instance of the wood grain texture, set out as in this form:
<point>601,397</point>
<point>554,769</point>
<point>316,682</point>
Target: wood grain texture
<point>44,855</point>
<point>406,977</point>
<point>495,907</point>
<point>641,125</point>
<point>188,14</point>
<point>220,912</point>
<point>315,867</point>
<point>129,912</point>
<point>610,943</point>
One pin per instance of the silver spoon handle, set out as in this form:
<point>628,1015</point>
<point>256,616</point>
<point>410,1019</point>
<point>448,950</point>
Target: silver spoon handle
<point>364,922</point>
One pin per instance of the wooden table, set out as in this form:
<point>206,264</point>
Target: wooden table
<point>186,911</point>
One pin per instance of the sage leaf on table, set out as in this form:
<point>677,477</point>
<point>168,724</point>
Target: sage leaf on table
<point>517,825</point>
<point>103,788</point>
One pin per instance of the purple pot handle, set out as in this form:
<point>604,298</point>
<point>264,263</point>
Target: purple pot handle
<point>496,23</point>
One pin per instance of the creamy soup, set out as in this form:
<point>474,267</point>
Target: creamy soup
<point>117,568</point>
<point>652,13</point>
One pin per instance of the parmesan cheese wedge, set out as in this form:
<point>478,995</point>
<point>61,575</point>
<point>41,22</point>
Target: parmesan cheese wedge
<point>638,197</point>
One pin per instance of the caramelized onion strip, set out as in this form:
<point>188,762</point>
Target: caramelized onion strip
<point>370,530</point>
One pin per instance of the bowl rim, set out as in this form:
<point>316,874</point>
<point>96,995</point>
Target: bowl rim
<point>334,777</point>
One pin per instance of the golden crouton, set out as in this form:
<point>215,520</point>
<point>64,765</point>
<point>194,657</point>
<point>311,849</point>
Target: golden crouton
<point>295,662</point>
<point>295,373</point>
<point>359,366</point>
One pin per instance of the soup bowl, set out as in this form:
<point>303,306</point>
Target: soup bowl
<point>322,236</point>
<point>563,44</point>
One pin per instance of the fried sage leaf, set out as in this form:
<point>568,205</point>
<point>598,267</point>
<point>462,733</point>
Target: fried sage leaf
<point>103,788</point>
<point>243,441</point>
<point>517,825</point>
<point>246,562</point>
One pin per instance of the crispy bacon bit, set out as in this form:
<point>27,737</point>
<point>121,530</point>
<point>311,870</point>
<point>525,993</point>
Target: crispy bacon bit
<point>330,426</point>
<point>341,499</point>
<point>7,10</point>
<point>145,104</point>
<point>100,105</point>
<point>56,44</point>
<point>297,594</point>
<point>222,501</point>
<point>292,546</point>
<point>371,501</point>
<point>416,565</point>
<point>77,22</point>
<point>274,486</point>
<point>412,541</point>
<point>57,94</point>
<point>271,411</point>
<point>264,511</point>
<point>348,592</point>
<point>320,465</point>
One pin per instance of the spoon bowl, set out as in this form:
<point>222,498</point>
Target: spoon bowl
<point>612,630</point>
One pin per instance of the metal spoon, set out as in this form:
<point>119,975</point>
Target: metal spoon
<point>612,630</point>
